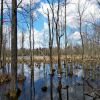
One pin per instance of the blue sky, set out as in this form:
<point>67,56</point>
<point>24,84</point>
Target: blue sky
<point>41,26</point>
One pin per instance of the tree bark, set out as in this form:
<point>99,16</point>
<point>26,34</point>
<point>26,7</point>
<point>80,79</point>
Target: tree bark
<point>81,37</point>
<point>1,31</point>
<point>14,45</point>
<point>50,44</point>
<point>22,53</point>
<point>58,38</point>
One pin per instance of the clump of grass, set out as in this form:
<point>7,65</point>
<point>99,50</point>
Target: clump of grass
<point>4,78</point>
<point>13,94</point>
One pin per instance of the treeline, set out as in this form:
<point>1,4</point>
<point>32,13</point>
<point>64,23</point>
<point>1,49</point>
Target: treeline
<point>71,50</point>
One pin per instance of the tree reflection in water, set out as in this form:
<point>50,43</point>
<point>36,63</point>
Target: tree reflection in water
<point>51,86</point>
<point>32,86</point>
<point>58,88</point>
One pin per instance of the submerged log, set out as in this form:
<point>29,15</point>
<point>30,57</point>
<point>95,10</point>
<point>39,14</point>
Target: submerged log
<point>44,88</point>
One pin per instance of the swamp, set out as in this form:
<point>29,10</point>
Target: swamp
<point>49,49</point>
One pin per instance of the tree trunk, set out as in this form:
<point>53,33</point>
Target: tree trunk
<point>30,35</point>
<point>58,49</point>
<point>65,36</point>
<point>81,37</point>
<point>1,31</point>
<point>58,38</point>
<point>50,43</point>
<point>4,53</point>
<point>14,45</point>
<point>22,53</point>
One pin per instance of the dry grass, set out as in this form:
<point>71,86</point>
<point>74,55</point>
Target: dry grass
<point>70,58</point>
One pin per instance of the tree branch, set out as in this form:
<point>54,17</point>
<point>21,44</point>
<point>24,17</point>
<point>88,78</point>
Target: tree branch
<point>19,3</point>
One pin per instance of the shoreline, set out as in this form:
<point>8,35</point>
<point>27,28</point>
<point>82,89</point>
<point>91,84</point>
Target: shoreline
<point>70,58</point>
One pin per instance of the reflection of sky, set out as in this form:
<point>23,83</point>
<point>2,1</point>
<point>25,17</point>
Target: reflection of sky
<point>78,72</point>
<point>40,81</point>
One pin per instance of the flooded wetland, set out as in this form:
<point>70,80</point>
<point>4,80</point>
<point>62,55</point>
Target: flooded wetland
<point>74,83</point>
<point>49,49</point>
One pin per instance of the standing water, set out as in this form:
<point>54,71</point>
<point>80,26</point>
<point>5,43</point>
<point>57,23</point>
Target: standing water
<point>75,83</point>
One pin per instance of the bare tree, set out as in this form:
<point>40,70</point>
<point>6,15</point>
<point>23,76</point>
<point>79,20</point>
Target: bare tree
<point>81,8</point>
<point>22,53</point>
<point>4,42</point>
<point>51,35</point>
<point>14,45</point>
<point>81,11</point>
<point>1,31</point>
<point>56,25</point>
<point>65,34</point>
<point>59,34</point>
<point>66,41</point>
<point>32,46</point>
<point>30,33</point>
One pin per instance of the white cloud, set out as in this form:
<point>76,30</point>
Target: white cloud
<point>43,9</point>
<point>75,36</point>
<point>72,15</point>
<point>92,9</point>
<point>40,38</point>
<point>23,3</point>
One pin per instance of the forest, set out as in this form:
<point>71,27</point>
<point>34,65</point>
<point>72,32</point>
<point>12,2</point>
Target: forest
<point>49,49</point>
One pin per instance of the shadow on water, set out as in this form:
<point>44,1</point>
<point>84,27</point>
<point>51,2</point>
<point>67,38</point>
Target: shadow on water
<point>67,87</point>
